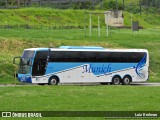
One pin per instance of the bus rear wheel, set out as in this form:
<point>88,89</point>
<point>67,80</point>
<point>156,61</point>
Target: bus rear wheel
<point>116,80</point>
<point>53,81</point>
<point>126,80</point>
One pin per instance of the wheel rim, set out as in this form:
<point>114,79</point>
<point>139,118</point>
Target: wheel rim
<point>53,82</point>
<point>127,80</point>
<point>116,81</point>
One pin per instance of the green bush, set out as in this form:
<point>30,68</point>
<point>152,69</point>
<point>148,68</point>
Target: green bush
<point>133,9</point>
<point>82,5</point>
<point>112,5</point>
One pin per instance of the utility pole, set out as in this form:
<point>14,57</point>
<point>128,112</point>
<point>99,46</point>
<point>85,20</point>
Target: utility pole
<point>116,9</point>
<point>101,4</point>
<point>147,5</point>
<point>116,4</point>
<point>18,3</point>
<point>123,5</point>
<point>5,3</point>
<point>70,4</point>
<point>140,7</point>
<point>153,3</point>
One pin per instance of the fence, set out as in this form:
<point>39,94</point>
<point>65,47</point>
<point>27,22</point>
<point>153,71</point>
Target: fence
<point>61,4</point>
<point>79,4</point>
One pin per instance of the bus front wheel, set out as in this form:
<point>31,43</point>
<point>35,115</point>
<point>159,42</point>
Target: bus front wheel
<point>126,80</point>
<point>53,80</point>
<point>116,80</point>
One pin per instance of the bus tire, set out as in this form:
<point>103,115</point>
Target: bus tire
<point>116,80</point>
<point>126,80</point>
<point>53,80</point>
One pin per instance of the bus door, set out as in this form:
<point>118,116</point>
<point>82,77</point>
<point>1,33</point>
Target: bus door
<point>40,63</point>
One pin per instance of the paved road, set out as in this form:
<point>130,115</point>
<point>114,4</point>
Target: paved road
<point>146,84</point>
<point>84,84</point>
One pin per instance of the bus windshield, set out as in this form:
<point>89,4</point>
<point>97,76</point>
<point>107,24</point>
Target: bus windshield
<point>26,59</point>
<point>24,69</point>
<point>28,54</point>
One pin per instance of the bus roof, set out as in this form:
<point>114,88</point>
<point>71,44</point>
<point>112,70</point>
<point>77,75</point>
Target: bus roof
<point>86,48</point>
<point>82,47</point>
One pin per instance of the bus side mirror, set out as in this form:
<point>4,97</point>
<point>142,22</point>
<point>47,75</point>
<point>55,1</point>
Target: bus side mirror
<point>16,60</point>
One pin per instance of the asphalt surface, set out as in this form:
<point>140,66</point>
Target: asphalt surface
<point>84,84</point>
<point>146,84</point>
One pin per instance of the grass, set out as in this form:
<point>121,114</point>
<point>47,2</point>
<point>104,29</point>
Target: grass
<point>146,21</point>
<point>47,17</point>
<point>14,41</point>
<point>44,17</point>
<point>83,98</point>
<point>79,98</point>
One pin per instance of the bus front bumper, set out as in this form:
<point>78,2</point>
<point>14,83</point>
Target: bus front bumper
<point>24,78</point>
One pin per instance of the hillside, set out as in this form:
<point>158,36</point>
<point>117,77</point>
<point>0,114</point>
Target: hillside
<point>14,41</point>
<point>47,17</point>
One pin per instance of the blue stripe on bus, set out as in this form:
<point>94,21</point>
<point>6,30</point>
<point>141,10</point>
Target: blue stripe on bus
<point>140,66</point>
<point>94,68</point>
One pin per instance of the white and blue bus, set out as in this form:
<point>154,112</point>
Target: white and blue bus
<point>76,64</point>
